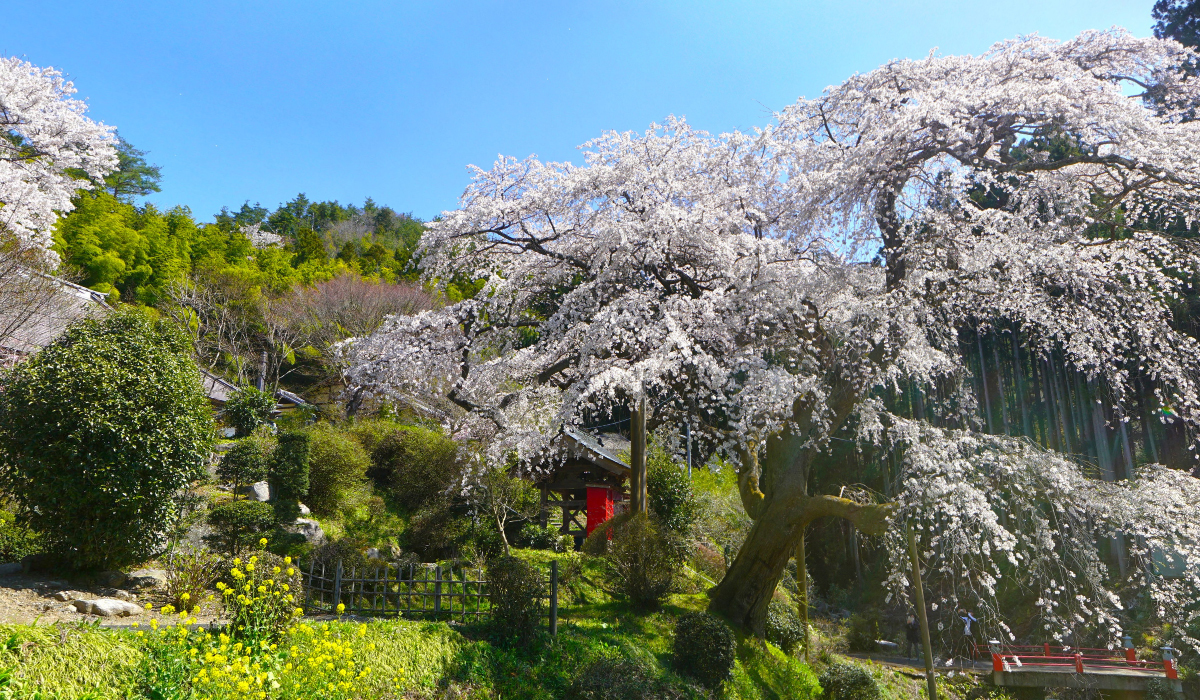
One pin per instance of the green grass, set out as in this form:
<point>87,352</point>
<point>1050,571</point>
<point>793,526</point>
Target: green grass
<point>69,661</point>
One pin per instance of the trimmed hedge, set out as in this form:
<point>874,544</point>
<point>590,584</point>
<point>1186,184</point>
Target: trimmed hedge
<point>704,648</point>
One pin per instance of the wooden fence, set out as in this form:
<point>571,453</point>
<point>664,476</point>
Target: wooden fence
<point>423,591</point>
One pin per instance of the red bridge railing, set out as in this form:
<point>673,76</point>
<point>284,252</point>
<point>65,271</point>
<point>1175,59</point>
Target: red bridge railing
<point>1010,657</point>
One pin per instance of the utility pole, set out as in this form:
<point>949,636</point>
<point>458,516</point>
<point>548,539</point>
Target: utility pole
<point>687,431</point>
<point>637,455</point>
<point>262,372</point>
<point>919,588</point>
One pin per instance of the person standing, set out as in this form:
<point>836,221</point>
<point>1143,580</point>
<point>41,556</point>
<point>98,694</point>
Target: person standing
<point>969,628</point>
<point>912,634</point>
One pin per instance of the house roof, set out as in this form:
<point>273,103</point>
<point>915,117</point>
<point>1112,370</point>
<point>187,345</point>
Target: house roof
<point>591,447</point>
<point>219,390</point>
<point>71,303</point>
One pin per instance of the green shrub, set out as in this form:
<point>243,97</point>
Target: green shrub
<point>643,558</point>
<point>849,682</point>
<point>615,678</point>
<point>863,631</point>
<point>247,409</point>
<point>671,497</point>
<point>704,648</point>
<point>785,629</point>
<point>516,590</point>
<point>415,465</point>
<point>439,530</point>
<point>288,476</point>
<point>238,524</point>
<point>537,537</point>
<point>247,461</point>
<point>16,540</point>
<point>190,573</point>
<point>369,432</point>
<point>337,470</point>
<point>99,433</point>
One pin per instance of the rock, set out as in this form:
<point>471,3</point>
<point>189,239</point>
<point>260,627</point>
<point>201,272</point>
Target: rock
<point>260,491</point>
<point>304,510</point>
<point>11,569</point>
<point>119,594</point>
<point>112,579</point>
<point>311,530</point>
<point>373,553</point>
<point>62,596</point>
<point>107,607</point>
<point>885,645</point>
<point>147,578</point>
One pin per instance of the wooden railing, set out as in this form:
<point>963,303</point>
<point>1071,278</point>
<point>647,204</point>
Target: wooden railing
<point>1013,657</point>
<point>413,590</point>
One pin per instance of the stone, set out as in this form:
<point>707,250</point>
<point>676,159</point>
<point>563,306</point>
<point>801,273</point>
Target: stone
<point>112,579</point>
<point>11,569</point>
<point>147,578</point>
<point>304,510</point>
<point>259,491</point>
<point>311,529</point>
<point>373,553</point>
<point>62,596</point>
<point>885,645</point>
<point>107,607</point>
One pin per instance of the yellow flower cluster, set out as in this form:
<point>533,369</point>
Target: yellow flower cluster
<point>260,602</point>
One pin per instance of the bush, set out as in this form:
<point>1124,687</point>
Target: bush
<point>516,590</point>
<point>289,474</point>
<point>671,498</point>
<point>369,432</point>
<point>537,537</point>
<point>609,678</point>
<point>190,574</point>
<point>785,629</point>
<point>247,462</point>
<point>439,531</point>
<point>99,432</point>
<point>863,631</point>
<point>247,409</point>
<point>415,465</point>
<point>262,596</point>
<point>704,648</point>
<point>849,682</point>
<point>238,524</point>
<point>337,470</point>
<point>16,540</point>
<point>643,558</point>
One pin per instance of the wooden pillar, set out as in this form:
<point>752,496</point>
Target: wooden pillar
<point>919,589</point>
<point>637,450</point>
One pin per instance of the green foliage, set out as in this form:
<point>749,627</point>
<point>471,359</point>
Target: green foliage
<point>516,590</point>
<point>98,434</point>
<point>704,648</point>
<point>238,524</point>
<point>262,596</point>
<point>191,572</point>
<point>1157,689</point>
<point>249,408</point>
<point>370,432</point>
<point>537,537</point>
<point>289,474</point>
<point>134,177</point>
<point>842,681</point>
<point>672,500</point>
<point>415,465</point>
<point>863,630</point>
<point>337,470</point>
<point>643,560</point>
<point>617,678</point>
<point>785,629</point>
<point>247,462</point>
<point>16,540</point>
<point>439,530</point>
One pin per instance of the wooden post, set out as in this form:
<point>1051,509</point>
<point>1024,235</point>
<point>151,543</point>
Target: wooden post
<point>637,452</point>
<point>919,589</point>
<point>437,591</point>
<point>802,580</point>
<point>554,598</point>
<point>337,585</point>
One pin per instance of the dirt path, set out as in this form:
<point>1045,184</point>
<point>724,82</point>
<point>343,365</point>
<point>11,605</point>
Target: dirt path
<point>38,599</point>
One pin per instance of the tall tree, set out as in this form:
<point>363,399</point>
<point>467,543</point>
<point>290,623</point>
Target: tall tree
<point>767,286</point>
<point>134,177</point>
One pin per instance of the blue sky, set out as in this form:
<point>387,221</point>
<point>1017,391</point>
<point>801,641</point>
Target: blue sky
<point>248,100</point>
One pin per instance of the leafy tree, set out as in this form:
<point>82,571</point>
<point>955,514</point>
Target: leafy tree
<point>289,474</point>
<point>249,408</point>
<point>672,499</point>
<point>1178,20</point>
<point>99,432</point>
<point>239,524</point>
<point>247,462</point>
<point>134,177</point>
<point>337,469</point>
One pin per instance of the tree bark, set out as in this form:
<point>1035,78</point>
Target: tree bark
<point>744,593</point>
